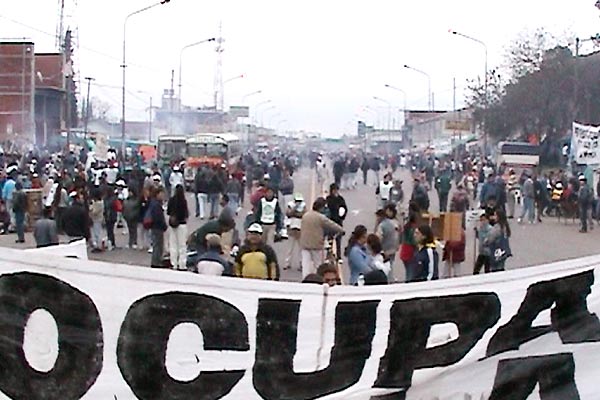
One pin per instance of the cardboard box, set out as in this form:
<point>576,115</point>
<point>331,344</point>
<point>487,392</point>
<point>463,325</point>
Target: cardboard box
<point>445,227</point>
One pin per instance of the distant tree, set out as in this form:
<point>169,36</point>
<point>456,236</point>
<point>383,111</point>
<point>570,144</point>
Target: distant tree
<point>99,109</point>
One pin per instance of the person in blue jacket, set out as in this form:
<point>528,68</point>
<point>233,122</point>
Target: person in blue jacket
<point>359,260</point>
<point>427,258</point>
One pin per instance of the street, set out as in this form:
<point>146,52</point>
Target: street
<point>531,244</point>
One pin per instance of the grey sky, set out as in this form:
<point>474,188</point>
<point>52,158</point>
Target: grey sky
<point>318,61</point>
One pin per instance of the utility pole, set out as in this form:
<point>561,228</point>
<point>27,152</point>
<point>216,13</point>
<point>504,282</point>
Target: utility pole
<point>87,108</point>
<point>68,77</point>
<point>150,121</point>
<point>171,102</point>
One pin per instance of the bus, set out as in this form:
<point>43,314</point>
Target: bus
<point>212,149</point>
<point>171,148</point>
<point>520,156</point>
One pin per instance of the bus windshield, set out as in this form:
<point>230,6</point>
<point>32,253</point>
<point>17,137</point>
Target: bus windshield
<point>207,150</point>
<point>170,149</point>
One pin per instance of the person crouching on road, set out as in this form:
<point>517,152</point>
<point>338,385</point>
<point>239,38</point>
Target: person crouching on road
<point>427,258</point>
<point>212,262</point>
<point>256,259</point>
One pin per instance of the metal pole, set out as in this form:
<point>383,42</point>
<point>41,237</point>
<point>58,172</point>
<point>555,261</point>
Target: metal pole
<point>181,62</point>
<point>150,121</point>
<point>124,66</point>
<point>87,108</point>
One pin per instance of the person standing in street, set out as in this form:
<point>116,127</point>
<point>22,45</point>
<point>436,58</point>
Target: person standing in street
<point>215,188</point>
<point>269,215</point>
<point>387,231</point>
<point>528,200</point>
<point>44,230</point>
<point>177,210</point>
<point>584,198</point>
<point>201,192</point>
<point>76,218</point>
<point>314,226</point>
<point>443,184</point>
<point>96,210</point>
<point>365,169</point>
<point>512,185</point>
<point>383,191</point>
<point>131,214</point>
<point>19,207</point>
<point>338,210</point>
<point>295,211</point>
<point>155,221</point>
<point>427,258</point>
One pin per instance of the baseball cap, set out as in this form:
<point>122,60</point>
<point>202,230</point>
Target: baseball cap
<point>255,228</point>
<point>298,197</point>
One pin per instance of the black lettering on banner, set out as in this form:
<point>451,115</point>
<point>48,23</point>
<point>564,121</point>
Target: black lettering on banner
<point>145,333</point>
<point>570,317</point>
<point>411,322</point>
<point>516,378</point>
<point>80,342</point>
<point>276,333</point>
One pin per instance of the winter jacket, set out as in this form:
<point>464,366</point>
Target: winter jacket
<point>427,264</point>
<point>179,211</point>
<point>76,221</point>
<point>335,204</point>
<point>131,209</point>
<point>158,217</point>
<point>215,185</point>
<point>257,262</point>
<point>359,262</point>
<point>313,227</point>
<point>212,263</point>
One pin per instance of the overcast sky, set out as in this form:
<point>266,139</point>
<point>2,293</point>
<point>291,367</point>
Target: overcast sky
<point>320,62</point>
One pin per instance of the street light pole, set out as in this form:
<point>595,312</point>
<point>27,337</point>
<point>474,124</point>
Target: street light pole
<point>250,94</point>
<point>485,82</point>
<point>181,60</point>
<point>262,114</point>
<point>87,108</point>
<point>389,146</point>
<point>429,97</point>
<point>124,66</point>
<point>256,107</point>
<point>404,95</point>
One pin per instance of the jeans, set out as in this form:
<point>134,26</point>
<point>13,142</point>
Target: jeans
<point>96,234</point>
<point>528,208</point>
<point>234,201</point>
<point>201,204</point>
<point>144,235</point>
<point>20,225</point>
<point>213,199</point>
<point>158,244</point>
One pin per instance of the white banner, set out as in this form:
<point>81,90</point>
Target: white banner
<point>73,329</point>
<point>585,148</point>
<point>77,249</point>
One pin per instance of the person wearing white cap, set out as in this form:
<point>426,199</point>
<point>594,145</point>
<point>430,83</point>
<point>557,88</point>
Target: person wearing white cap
<point>295,211</point>
<point>256,259</point>
<point>176,178</point>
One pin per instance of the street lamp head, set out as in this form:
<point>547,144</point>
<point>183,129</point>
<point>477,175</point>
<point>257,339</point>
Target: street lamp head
<point>452,31</point>
<point>387,85</point>
<point>165,1</point>
<point>212,39</point>
<point>406,66</point>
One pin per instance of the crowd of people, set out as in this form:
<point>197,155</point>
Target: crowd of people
<point>85,198</point>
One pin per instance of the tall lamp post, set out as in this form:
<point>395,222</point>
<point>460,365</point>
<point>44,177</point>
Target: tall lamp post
<point>249,95</point>
<point>181,61</point>
<point>429,97</point>
<point>389,146</point>
<point>257,107</point>
<point>485,81</point>
<point>262,114</point>
<point>124,66</point>
<point>404,95</point>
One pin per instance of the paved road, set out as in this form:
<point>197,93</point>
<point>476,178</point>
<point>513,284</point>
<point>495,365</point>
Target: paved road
<point>531,244</point>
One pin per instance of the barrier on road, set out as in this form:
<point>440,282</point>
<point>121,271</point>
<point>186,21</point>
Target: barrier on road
<point>74,329</point>
<point>77,249</point>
